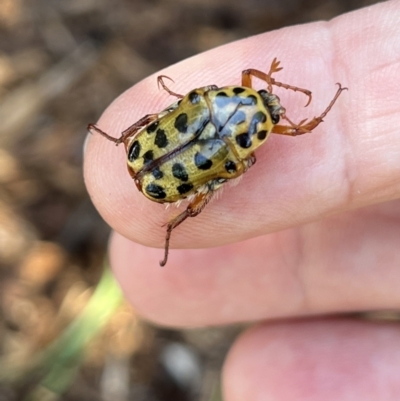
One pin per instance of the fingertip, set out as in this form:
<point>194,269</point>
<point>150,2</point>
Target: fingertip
<point>300,180</point>
<point>315,360</point>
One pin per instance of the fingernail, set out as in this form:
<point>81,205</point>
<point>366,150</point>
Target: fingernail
<point>86,141</point>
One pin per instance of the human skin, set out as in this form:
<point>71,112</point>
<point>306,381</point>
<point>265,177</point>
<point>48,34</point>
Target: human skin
<point>313,228</point>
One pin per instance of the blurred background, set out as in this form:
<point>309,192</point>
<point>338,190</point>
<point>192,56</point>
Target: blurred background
<point>65,331</point>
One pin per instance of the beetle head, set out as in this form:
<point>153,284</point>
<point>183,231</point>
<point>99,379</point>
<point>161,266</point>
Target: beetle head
<point>272,103</point>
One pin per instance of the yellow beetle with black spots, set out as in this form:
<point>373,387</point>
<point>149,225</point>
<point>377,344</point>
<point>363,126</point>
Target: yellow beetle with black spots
<point>190,149</point>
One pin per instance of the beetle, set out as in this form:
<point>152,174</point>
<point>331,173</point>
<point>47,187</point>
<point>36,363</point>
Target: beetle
<point>208,137</point>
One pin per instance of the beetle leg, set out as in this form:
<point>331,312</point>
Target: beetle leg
<point>129,132</point>
<point>247,74</point>
<point>305,127</point>
<point>250,161</point>
<point>195,207</point>
<point>160,81</point>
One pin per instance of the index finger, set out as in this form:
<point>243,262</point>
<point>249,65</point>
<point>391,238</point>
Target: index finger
<point>350,160</point>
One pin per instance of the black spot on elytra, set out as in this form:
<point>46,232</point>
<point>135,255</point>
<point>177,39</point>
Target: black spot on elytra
<point>148,157</point>
<point>230,166</point>
<point>161,139</point>
<point>155,191</point>
<point>179,171</point>
<point>184,188</point>
<point>134,151</point>
<point>259,117</point>
<point>238,90</point>
<point>202,162</point>
<point>221,94</point>
<point>194,97</point>
<point>243,140</point>
<point>152,127</point>
<point>157,173</point>
<point>181,123</point>
<point>261,135</point>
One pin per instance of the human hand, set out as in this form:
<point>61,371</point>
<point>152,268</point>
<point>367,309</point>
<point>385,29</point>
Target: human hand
<point>312,229</point>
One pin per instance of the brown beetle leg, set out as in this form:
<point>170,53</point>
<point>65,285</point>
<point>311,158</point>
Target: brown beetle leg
<point>129,132</point>
<point>194,208</point>
<point>247,74</point>
<point>160,81</point>
<point>305,127</point>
